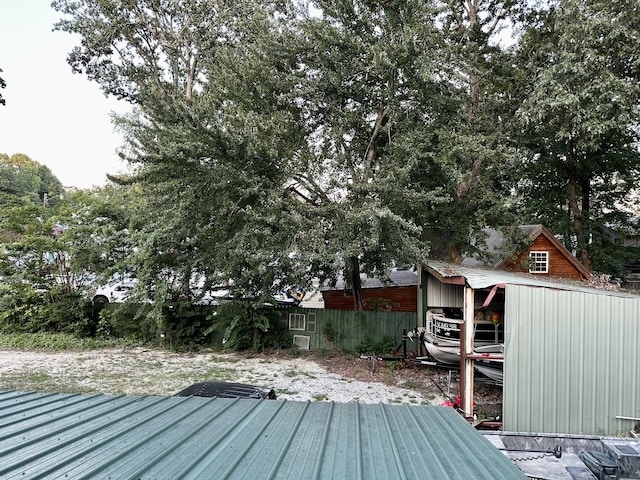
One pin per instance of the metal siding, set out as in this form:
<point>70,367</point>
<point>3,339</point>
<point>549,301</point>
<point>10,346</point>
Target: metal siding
<point>571,361</point>
<point>74,436</point>
<point>443,294</point>
<point>352,327</point>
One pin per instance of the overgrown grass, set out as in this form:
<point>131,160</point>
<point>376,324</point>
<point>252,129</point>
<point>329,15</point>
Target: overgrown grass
<point>39,381</point>
<point>58,341</point>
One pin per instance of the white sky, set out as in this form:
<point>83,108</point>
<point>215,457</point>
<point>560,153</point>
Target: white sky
<point>57,118</point>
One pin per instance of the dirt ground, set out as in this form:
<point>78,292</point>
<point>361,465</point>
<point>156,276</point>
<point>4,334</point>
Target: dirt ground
<point>429,381</point>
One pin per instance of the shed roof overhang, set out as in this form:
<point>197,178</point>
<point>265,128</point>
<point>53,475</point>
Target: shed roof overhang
<point>480,278</point>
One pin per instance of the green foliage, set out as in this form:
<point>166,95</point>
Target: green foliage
<point>128,320</point>
<point>24,179</point>
<point>383,346</point>
<point>248,327</point>
<point>275,147</point>
<point>187,325</point>
<point>56,341</point>
<point>23,309</point>
<point>579,122</point>
<point>329,331</point>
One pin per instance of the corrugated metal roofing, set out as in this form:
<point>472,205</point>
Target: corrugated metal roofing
<point>484,278</point>
<point>99,436</point>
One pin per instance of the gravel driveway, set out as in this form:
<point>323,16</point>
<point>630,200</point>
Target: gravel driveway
<point>154,372</point>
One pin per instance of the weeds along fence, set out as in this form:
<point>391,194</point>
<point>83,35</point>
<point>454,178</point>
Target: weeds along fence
<point>320,329</point>
<point>306,329</point>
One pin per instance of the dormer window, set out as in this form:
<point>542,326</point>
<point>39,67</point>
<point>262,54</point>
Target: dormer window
<point>538,262</point>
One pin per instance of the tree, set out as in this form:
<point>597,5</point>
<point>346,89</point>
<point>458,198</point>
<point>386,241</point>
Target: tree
<point>461,163</point>
<point>367,76</point>
<point>21,177</point>
<point>580,121</point>
<point>235,159</point>
<point>54,255</point>
<point>205,165</point>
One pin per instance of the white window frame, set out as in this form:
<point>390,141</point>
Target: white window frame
<point>311,323</point>
<point>297,321</point>
<point>538,261</point>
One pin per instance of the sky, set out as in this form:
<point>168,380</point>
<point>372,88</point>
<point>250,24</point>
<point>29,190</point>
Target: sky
<point>55,117</point>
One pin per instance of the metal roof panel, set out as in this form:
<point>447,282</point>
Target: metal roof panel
<point>100,436</point>
<point>484,278</point>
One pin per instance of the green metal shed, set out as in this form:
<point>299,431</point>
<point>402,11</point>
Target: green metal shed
<point>119,437</point>
<point>572,352</point>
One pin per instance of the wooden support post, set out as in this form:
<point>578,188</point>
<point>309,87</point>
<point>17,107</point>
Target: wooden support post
<point>466,350</point>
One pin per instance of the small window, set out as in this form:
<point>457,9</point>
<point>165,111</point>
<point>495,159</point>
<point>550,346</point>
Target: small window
<point>296,321</point>
<point>311,323</point>
<point>538,262</point>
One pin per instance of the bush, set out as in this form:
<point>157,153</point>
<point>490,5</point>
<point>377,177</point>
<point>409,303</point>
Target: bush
<point>55,341</point>
<point>249,328</point>
<point>24,309</point>
<point>20,308</point>
<point>384,346</point>
<point>234,326</point>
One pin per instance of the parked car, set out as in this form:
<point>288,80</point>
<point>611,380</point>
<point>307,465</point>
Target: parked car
<point>115,293</point>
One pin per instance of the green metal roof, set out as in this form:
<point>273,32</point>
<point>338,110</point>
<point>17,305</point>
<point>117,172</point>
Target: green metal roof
<point>99,436</point>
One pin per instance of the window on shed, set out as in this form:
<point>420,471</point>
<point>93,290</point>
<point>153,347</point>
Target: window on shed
<point>538,262</point>
<point>311,323</point>
<point>296,321</point>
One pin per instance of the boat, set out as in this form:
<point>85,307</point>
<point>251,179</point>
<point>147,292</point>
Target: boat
<point>492,365</point>
<point>441,339</point>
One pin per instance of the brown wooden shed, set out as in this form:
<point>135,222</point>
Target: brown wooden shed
<point>399,294</point>
<point>545,257</point>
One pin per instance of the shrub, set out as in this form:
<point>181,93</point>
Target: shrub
<point>23,309</point>
<point>383,346</point>
<point>247,327</point>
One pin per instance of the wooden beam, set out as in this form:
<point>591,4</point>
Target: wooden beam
<point>466,354</point>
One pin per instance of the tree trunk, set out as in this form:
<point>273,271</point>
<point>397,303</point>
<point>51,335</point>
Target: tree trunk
<point>356,284</point>
<point>585,258</point>
<point>454,254</point>
<point>577,215</point>
<point>463,188</point>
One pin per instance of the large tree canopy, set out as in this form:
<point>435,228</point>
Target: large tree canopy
<point>580,120</point>
<point>468,152</point>
<point>282,141</point>
<point>275,155</point>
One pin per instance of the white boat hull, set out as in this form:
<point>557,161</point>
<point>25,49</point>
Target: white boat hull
<point>492,370</point>
<point>443,354</point>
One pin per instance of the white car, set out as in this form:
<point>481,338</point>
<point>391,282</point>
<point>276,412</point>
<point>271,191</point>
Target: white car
<point>118,292</point>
